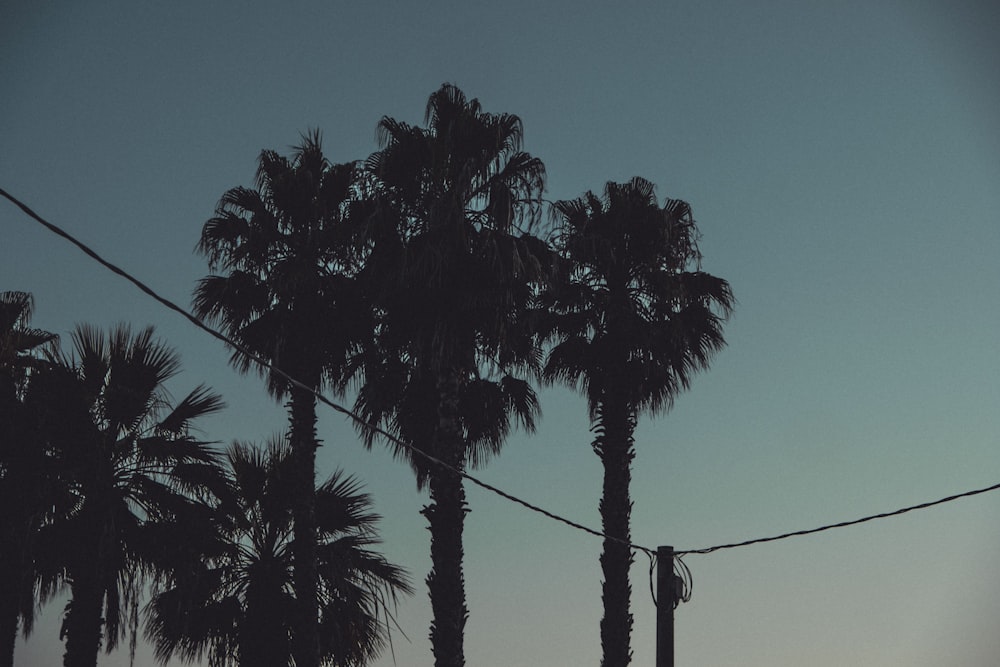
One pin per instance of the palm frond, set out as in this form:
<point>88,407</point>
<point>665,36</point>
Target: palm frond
<point>200,402</point>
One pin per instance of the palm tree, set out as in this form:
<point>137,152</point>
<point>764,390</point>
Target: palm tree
<point>127,466</point>
<point>453,275</point>
<point>633,320</point>
<point>22,469</point>
<point>286,292</point>
<point>237,603</point>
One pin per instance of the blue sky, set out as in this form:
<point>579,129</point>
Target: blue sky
<point>843,162</point>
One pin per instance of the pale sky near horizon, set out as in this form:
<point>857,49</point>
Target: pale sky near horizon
<point>843,162</point>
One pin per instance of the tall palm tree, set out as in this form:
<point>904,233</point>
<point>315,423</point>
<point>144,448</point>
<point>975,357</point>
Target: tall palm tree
<point>127,465</point>
<point>285,291</point>
<point>453,275</point>
<point>23,478</point>
<point>237,604</point>
<point>633,320</point>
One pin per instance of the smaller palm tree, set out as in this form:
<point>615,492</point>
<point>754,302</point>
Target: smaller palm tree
<point>126,467</point>
<point>235,600</point>
<point>284,256</point>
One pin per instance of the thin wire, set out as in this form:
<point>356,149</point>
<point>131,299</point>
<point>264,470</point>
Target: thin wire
<point>364,424</point>
<point>683,574</point>
<point>653,560</point>
<point>841,524</point>
<point>250,355</point>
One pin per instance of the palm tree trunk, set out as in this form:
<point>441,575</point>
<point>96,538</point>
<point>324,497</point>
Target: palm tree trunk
<point>302,436</point>
<point>9,598</point>
<point>11,553</point>
<point>83,624</point>
<point>446,516</point>
<point>261,636</point>
<point>615,447</point>
<point>15,584</point>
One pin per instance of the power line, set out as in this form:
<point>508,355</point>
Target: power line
<point>842,524</point>
<point>364,424</point>
<point>320,397</point>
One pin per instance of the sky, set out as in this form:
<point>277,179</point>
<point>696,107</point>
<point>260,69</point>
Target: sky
<point>842,160</point>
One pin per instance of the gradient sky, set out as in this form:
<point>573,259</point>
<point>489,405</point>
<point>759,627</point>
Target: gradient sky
<point>843,162</point>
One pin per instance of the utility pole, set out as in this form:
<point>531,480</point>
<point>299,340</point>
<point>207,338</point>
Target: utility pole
<point>666,597</point>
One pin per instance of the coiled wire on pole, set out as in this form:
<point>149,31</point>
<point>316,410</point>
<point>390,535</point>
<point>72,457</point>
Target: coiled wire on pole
<point>682,579</point>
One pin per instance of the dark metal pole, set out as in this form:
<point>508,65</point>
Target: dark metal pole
<point>665,593</point>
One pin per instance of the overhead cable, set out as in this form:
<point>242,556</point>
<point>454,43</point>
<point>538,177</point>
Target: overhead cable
<point>364,424</point>
<point>842,524</point>
<point>320,397</point>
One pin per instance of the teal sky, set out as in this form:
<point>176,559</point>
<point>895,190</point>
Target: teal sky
<point>843,162</point>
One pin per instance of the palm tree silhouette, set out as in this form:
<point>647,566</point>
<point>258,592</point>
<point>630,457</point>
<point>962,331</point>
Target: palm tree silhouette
<point>235,600</point>
<point>23,472</point>
<point>287,294</point>
<point>452,273</point>
<point>127,466</point>
<point>632,323</point>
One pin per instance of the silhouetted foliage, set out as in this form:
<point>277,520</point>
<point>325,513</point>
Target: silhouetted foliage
<point>415,275</point>
<point>19,342</point>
